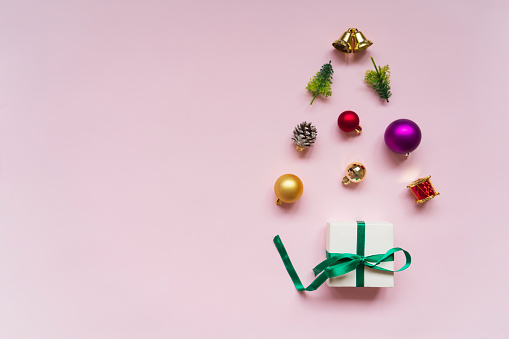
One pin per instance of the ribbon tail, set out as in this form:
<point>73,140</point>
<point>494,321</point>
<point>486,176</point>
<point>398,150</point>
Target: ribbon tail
<point>319,280</point>
<point>323,265</point>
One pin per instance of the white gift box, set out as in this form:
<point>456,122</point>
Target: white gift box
<point>379,238</point>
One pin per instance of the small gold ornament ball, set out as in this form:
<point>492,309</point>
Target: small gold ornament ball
<point>288,188</point>
<point>355,172</point>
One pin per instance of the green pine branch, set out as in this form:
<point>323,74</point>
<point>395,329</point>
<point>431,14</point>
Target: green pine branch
<point>320,83</point>
<point>379,80</point>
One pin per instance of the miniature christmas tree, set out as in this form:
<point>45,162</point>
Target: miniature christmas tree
<point>320,83</point>
<point>379,80</point>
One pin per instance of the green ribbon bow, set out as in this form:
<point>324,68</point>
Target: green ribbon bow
<point>338,264</point>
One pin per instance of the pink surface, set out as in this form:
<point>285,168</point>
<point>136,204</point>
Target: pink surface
<point>140,141</point>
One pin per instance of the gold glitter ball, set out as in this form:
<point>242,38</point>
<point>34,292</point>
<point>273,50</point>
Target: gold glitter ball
<point>355,172</point>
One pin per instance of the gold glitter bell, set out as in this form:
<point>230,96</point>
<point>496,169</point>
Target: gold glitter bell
<point>355,172</point>
<point>352,41</point>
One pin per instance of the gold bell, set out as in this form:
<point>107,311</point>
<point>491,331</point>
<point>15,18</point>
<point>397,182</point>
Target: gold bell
<point>352,41</point>
<point>360,42</point>
<point>343,43</point>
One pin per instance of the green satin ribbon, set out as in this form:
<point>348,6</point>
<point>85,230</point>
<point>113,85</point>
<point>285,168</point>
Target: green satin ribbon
<point>361,241</point>
<point>338,264</point>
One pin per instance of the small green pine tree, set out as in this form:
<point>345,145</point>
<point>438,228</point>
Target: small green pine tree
<point>320,83</point>
<point>379,80</point>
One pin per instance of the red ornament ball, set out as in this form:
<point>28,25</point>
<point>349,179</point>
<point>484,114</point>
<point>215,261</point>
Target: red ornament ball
<point>348,121</point>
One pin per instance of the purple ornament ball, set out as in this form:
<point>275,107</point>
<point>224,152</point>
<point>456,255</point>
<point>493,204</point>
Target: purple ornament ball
<point>402,136</point>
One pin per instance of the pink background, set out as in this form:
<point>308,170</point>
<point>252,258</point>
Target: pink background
<point>140,141</point>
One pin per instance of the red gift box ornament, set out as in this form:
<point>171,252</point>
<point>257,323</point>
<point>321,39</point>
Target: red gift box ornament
<point>423,190</point>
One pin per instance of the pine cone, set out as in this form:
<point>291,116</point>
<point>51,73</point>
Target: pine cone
<point>304,136</point>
